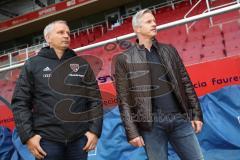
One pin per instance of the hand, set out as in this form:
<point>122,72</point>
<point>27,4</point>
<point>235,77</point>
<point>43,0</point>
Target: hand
<point>137,142</point>
<point>197,126</point>
<point>92,141</point>
<point>33,145</point>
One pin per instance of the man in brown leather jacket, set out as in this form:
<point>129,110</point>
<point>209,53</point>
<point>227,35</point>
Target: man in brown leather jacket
<point>156,98</point>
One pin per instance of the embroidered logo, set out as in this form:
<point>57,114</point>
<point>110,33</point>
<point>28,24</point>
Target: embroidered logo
<point>47,69</point>
<point>74,67</point>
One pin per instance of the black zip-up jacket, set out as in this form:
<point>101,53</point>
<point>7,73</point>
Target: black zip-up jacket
<point>133,83</point>
<point>51,95</point>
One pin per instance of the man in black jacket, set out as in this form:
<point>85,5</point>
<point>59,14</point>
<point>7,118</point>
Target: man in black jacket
<point>156,98</point>
<point>56,103</point>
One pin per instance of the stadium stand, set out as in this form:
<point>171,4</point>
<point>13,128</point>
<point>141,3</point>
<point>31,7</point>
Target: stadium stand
<point>218,36</point>
<point>203,42</point>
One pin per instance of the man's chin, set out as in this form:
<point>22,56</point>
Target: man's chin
<point>152,36</point>
<point>65,47</point>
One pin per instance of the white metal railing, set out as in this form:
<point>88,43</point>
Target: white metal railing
<point>165,4</point>
<point>188,27</point>
<point>19,56</point>
<point>154,8</point>
<point>76,32</point>
<point>6,51</point>
<point>220,6</point>
<point>209,9</point>
<point>160,27</point>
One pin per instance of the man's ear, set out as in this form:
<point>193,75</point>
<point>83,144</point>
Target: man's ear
<point>47,38</point>
<point>137,29</point>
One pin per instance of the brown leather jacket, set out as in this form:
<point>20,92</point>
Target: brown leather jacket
<point>134,94</point>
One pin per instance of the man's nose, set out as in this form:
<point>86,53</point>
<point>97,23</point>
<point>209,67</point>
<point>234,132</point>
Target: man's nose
<point>154,24</point>
<point>66,35</point>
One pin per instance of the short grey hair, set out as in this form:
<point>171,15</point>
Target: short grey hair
<point>50,26</point>
<point>136,20</point>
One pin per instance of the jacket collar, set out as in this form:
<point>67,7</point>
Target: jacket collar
<point>141,47</point>
<point>142,50</point>
<point>51,54</point>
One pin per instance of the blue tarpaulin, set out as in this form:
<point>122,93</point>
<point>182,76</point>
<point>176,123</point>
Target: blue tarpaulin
<point>219,138</point>
<point>6,145</point>
<point>21,152</point>
<point>220,134</point>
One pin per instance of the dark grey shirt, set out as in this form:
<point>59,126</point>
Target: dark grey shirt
<point>163,98</point>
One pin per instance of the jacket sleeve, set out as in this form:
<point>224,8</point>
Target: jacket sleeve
<point>22,103</point>
<point>195,111</point>
<point>122,88</point>
<point>94,103</point>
